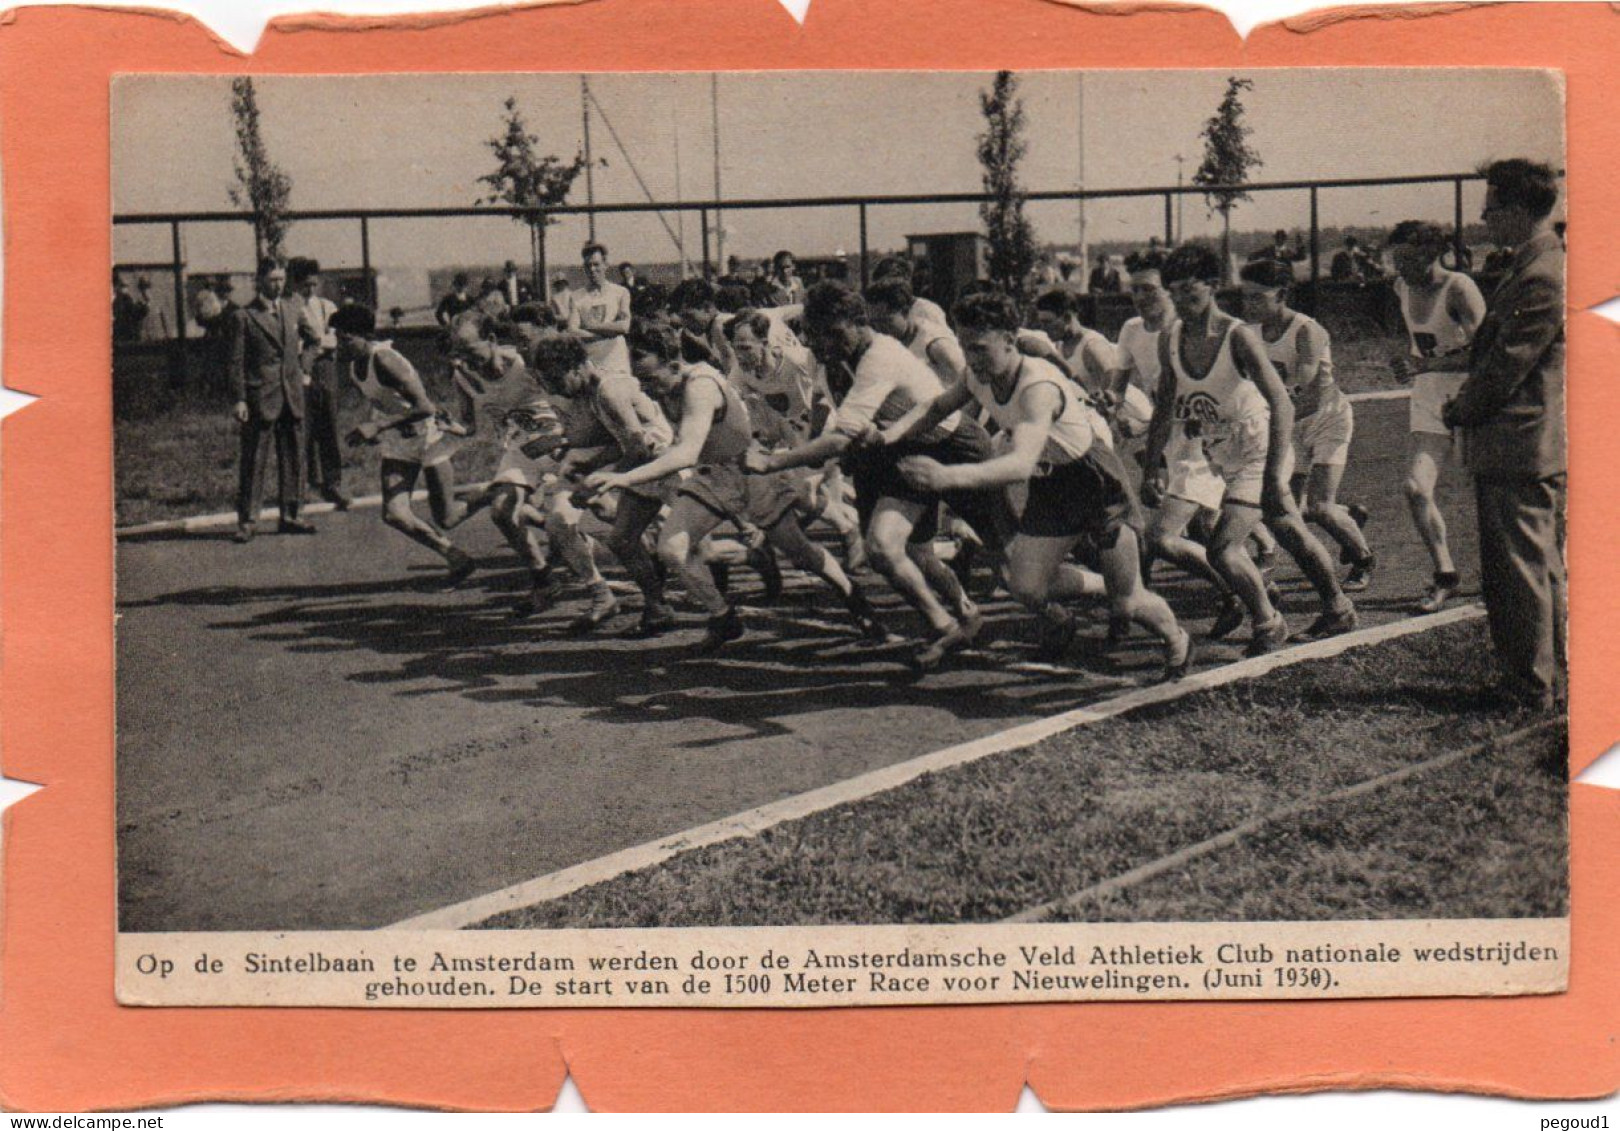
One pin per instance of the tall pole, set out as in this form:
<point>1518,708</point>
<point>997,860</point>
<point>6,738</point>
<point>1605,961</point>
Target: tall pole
<point>590,180</point>
<point>177,372</point>
<point>680,213</point>
<point>1181,199</point>
<point>719,218</point>
<point>1080,173</point>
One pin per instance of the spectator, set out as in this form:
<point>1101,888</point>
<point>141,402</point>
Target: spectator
<point>1511,411</point>
<point>269,394</point>
<point>513,290</point>
<point>1352,263</point>
<point>1278,250</point>
<point>787,289</point>
<point>318,361</point>
<point>1105,278</point>
<point>629,280</point>
<point>130,311</point>
<point>1045,276</point>
<point>458,300</point>
<point>561,301</point>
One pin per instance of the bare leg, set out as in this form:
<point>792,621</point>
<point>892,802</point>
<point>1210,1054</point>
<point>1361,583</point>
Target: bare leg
<point>1167,536</point>
<point>887,536</point>
<point>635,514</point>
<point>1428,453</point>
<point>1230,558</point>
<point>1322,507</point>
<point>678,548</point>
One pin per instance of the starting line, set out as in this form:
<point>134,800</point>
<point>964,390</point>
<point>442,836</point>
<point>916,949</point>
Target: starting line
<point>228,518</point>
<point>752,822</point>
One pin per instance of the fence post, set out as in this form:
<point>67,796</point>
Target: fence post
<point>539,229</point>
<point>365,263</point>
<point>1457,238</point>
<point>1316,243</point>
<point>703,222</point>
<point>1169,220</point>
<point>865,275</point>
<point>177,364</point>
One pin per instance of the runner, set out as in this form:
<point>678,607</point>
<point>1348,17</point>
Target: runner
<point>1302,353</point>
<point>610,422</point>
<point>1224,407</point>
<point>503,408</point>
<point>1078,494</point>
<point>892,311</point>
<point>599,314</point>
<point>1442,309</point>
<point>789,404</point>
<point>1095,363</point>
<point>712,437</point>
<point>404,425</point>
<point>902,269</point>
<point>876,381</point>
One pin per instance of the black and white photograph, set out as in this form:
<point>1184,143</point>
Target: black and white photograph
<point>873,502</point>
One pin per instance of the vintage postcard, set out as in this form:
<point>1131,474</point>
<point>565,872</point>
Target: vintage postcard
<point>1023,546</point>
<point>623,525</point>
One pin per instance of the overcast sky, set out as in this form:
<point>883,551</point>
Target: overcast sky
<point>407,141</point>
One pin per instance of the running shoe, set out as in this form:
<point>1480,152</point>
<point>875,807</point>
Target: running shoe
<point>1441,591</point>
<point>1055,637</point>
<point>1268,637</point>
<point>1360,575</point>
<point>602,608</point>
<point>932,654</point>
<point>1333,622</point>
<point>865,617</point>
<point>1178,657</point>
<point>722,630</point>
<point>655,621</point>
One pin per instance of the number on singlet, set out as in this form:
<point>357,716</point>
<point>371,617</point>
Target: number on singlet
<point>1425,342</point>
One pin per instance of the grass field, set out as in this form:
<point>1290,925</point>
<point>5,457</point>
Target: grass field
<point>183,462</point>
<point>1482,837</point>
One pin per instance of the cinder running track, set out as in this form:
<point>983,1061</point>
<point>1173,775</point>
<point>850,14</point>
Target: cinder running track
<point>312,735</point>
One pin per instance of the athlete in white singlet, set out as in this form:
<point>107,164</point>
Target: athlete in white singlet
<point>599,314</point>
<point>711,439</point>
<point>789,404</point>
<point>610,422</point>
<point>1302,354</point>
<point>404,424</point>
<point>1059,444</point>
<point>1224,406</point>
<point>876,381</point>
<point>1442,309</point>
<point>1095,363</point>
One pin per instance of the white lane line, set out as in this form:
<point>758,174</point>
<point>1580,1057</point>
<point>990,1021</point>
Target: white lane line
<point>228,518</point>
<point>752,822</point>
<point>1253,825</point>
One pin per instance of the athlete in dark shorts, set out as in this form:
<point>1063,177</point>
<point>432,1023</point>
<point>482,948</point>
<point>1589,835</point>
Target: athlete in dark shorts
<point>875,381</point>
<point>1060,445</point>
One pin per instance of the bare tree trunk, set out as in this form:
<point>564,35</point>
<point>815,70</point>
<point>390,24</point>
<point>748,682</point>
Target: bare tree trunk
<point>1226,245</point>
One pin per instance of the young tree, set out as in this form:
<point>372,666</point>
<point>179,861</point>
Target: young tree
<point>1001,148</point>
<point>1228,158</point>
<point>524,179</point>
<point>261,186</point>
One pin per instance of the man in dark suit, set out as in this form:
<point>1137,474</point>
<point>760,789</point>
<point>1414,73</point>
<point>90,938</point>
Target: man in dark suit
<point>269,392</point>
<point>1511,411</point>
